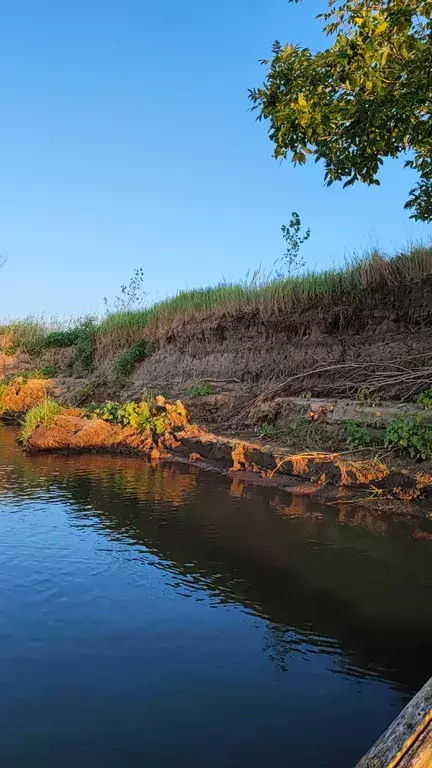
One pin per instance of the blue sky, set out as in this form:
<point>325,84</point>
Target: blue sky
<point>126,140</point>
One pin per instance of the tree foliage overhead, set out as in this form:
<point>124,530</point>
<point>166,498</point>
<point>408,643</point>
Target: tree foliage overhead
<point>366,97</point>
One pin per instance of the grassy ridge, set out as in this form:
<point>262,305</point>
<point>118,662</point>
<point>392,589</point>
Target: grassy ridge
<point>119,330</point>
<point>309,291</point>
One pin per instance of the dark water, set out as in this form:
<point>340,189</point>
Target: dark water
<point>164,617</point>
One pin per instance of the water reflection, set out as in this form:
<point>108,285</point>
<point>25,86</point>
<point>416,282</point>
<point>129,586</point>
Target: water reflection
<point>348,579</point>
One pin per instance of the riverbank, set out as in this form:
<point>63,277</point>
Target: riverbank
<point>329,333</point>
<point>330,369</point>
<point>161,430</point>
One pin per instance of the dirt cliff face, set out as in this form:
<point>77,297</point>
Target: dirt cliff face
<point>343,346</point>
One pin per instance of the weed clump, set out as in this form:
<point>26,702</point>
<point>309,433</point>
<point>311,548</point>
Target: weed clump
<point>199,390</point>
<point>53,340</point>
<point>153,415</point>
<point>425,399</point>
<point>126,361</point>
<point>368,398</point>
<point>357,435</point>
<point>268,431</point>
<point>84,344</point>
<point>410,434</point>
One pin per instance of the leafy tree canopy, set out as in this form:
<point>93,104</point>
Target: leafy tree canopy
<point>366,97</point>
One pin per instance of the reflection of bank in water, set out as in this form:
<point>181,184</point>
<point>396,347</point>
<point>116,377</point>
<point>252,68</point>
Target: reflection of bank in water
<point>325,574</point>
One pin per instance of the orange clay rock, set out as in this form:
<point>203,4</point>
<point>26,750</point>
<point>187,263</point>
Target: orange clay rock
<point>75,433</point>
<point>238,458</point>
<point>70,430</point>
<point>21,395</point>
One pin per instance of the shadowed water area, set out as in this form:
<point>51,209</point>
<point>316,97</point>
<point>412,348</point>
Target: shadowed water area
<point>165,616</point>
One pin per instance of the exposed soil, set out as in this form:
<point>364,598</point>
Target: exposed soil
<point>328,475</point>
<point>263,350</point>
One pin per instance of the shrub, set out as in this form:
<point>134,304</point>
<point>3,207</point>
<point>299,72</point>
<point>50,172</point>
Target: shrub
<point>52,340</point>
<point>43,413</point>
<point>357,435</point>
<point>425,399</point>
<point>199,390</point>
<point>146,415</point>
<point>126,361</point>
<point>84,343</point>
<point>81,336</point>
<point>135,415</point>
<point>410,434</point>
<point>44,373</point>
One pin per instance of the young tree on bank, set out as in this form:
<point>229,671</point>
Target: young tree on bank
<point>366,97</point>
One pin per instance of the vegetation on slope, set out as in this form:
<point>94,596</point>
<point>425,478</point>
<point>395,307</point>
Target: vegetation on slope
<point>119,330</point>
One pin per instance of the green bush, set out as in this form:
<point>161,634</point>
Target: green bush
<point>410,434</point>
<point>81,337</point>
<point>135,415</point>
<point>84,344</point>
<point>357,435</point>
<point>126,361</point>
<point>199,390</point>
<point>44,373</point>
<point>52,340</point>
<point>140,416</point>
<point>43,413</point>
<point>425,399</point>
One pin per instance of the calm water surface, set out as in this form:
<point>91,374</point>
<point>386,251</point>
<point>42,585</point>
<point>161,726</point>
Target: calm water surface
<point>166,617</point>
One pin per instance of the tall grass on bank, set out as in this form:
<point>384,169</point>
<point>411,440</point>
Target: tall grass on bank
<point>266,298</point>
<point>19,333</point>
<point>43,413</point>
<point>312,290</point>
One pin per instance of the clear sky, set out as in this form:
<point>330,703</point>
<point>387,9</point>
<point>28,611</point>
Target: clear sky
<point>126,140</point>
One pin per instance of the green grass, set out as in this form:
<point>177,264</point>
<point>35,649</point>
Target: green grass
<point>125,362</point>
<point>119,331</point>
<point>44,413</point>
<point>309,291</point>
<point>16,334</point>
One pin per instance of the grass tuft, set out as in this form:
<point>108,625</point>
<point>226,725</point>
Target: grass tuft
<point>43,413</point>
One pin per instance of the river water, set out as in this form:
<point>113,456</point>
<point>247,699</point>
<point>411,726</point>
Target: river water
<point>164,616</point>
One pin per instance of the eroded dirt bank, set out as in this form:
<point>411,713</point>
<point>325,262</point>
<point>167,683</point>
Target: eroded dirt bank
<point>325,475</point>
<point>167,431</point>
<point>329,350</point>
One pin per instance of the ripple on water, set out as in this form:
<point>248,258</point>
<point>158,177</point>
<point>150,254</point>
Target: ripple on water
<point>138,601</point>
